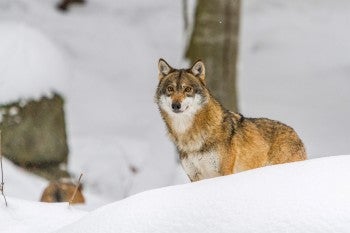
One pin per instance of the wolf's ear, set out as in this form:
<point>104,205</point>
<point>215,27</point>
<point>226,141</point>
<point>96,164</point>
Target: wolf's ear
<point>198,69</point>
<point>164,68</point>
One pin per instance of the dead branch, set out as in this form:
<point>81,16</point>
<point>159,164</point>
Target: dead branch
<point>76,190</point>
<point>2,174</point>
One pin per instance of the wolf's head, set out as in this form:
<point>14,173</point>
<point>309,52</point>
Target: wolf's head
<point>181,91</point>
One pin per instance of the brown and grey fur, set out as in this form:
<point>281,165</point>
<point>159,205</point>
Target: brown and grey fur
<point>212,141</point>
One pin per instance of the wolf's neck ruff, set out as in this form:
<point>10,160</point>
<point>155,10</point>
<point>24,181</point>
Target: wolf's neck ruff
<point>191,130</point>
<point>181,123</point>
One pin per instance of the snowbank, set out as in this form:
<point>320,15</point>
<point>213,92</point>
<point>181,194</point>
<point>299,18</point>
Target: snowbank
<point>22,184</point>
<point>310,196</point>
<point>28,217</point>
<point>31,65</point>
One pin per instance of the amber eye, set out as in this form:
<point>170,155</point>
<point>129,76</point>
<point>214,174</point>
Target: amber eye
<point>170,89</point>
<point>188,89</point>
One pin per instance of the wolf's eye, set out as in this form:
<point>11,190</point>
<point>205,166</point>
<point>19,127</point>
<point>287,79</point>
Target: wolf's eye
<point>170,89</point>
<point>188,89</point>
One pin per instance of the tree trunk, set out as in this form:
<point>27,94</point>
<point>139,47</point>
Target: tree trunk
<point>214,40</point>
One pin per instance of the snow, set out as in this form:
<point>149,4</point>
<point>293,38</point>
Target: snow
<point>112,121</point>
<point>31,65</point>
<point>307,196</point>
<point>294,67</point>
<point>24,217</point>
<point>22,184</point>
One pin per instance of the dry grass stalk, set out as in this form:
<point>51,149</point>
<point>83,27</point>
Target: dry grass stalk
<point>76,189</point>
<point>2,174</point>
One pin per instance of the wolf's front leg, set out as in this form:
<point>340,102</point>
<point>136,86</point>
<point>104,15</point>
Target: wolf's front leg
<point>194,177</point>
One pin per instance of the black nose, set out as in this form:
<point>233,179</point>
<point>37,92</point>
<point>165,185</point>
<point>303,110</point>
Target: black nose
<point>176,106</point>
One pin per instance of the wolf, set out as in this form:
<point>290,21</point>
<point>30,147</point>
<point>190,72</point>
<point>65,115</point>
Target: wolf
<point>212,141</point>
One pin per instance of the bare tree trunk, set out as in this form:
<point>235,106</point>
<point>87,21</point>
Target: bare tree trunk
<point>215,40</point>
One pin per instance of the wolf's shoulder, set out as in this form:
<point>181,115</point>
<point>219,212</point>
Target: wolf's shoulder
<point>268,128</point>
<point>264,122</point>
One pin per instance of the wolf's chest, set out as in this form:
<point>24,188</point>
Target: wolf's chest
<point>200,166</point>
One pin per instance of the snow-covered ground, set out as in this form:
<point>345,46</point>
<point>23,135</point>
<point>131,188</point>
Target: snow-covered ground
<point>308,196</point>
<point>294,67</point>
<point>31,64</point>
<point>110,51</point>
<point>22,216</point>
<point>22,184</point>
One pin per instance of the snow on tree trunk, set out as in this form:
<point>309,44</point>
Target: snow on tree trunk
<point>34,135</point>
<point>215,41</point>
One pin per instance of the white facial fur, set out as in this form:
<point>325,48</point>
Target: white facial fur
<point>183,120</point>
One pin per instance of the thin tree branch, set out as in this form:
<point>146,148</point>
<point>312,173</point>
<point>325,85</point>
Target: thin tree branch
<point>2,174</point>
<point>76,190</point>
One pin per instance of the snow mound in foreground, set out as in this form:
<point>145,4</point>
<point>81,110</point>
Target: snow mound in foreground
<point>31,65</point>
<point>20,183</point>
<point>23,216</point>
<point>310,196</point>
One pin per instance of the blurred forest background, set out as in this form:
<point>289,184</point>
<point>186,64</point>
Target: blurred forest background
<point>77,80</point>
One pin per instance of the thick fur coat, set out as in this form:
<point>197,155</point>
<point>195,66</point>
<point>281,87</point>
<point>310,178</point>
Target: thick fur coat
<point>211,140</point>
